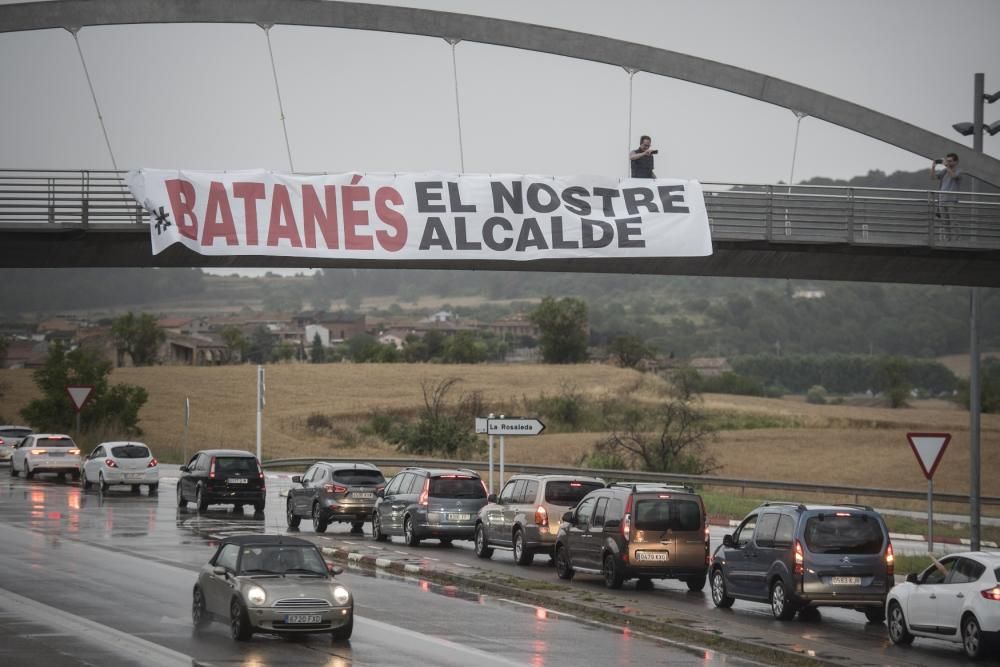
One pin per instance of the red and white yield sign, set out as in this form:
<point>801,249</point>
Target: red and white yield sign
<point>79,393</point>
<point>929,448</point>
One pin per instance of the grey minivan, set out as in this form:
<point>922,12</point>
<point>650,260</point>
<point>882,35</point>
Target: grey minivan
<point>421,503</point>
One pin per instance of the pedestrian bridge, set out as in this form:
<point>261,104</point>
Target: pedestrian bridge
<point>89,219</point>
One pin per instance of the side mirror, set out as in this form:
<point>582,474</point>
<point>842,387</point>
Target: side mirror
<point>612,524</point>
<point>911,578</point>
<point>569,518</point>
<point>220,571</point>
<point>184,469</point>
<point>727,541</point>
<point>380,493</point>
<point>296,479</point>
<point>492,498</point>
<point>334,569</point>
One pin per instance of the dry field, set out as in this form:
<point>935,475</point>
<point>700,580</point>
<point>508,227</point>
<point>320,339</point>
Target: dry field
<point>839,444</point>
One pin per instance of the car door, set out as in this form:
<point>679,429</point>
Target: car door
<point>297,491</point>
<point>17,458</point>
<point>759,563</point>
<point>396,503</point>
<point>923,603</point>
<point>189,479</point>
<point>495,515</point>
<point>580,539</point>
<point>510,510</point>
<point>737,561</point>
<point>383,505</point>
<point>959,588</point>
<point>217,588</point>
<point>92,463</point>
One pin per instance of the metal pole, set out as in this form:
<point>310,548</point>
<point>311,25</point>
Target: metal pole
<point>260,377</point>
<point>974,406</point>
<point>501,461</point>
<point>187,418</point>
<point>930,516</point>
<point>77,426</point>
<point>489,439</point>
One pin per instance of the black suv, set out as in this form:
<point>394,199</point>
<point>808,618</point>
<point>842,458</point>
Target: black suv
<point>331,492</point>
<point>222,477</point>
<point>797,557</point>
<point>429,502</point>
<point>637,530</point>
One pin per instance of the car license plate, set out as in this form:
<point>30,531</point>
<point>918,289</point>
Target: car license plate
<point>458,517</point>
<point>237,480</point>
<point>845,581</point>
<point>303,618</point>
<point>134,475</point>
<point>652,555</point>
<point>362,494</point>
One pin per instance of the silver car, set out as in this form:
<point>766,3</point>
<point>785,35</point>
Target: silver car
<point>129,463</point>
<point>271,583</point>
<point>9,437</point>
<point>46,452</point>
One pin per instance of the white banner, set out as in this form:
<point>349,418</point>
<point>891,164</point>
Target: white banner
<point>422,216</point>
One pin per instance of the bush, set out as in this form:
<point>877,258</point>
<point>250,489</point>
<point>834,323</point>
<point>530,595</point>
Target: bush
<point>732,383</point>
<point>319,423</point>
<point>816,395</point>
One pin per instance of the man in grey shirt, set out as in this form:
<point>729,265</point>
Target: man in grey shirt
<point>951,183</point>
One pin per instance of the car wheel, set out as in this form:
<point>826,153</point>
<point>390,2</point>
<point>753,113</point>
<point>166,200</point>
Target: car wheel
<point>643,584</point>
<point>238,508</point>
<point>358,527</point>
<point>897,625</point>
<point>781,606</point>
<point>409,536</point>
<point>180,497</point>
<point>199,614</point>
<point>28,472</point>
<point>75,476</point>
<point>13,469</point>
<point>522,556</point>
<point>319,523</point>
<point>136,489</point>
<point>258,507</point>
<point>101,484</point>
<point>720,597</point>
<point>154,489</point>
<point>483,548</point>
<point>377,533</point>
<point>696,584</point>
<point>291,518</point>
<point>973,640</point>
<point>875,614</point>
<point>200,500</point>
<point>563,568</point>
<point>239,622</point>
<point>84,484</point>
<point>344,632</point>
<point>613,577</point>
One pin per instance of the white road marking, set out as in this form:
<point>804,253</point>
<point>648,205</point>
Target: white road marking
<point>480,657</point>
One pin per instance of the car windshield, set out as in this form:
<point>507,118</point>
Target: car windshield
<point>844,534</point>
<point>281,559</point>
<point>359,477</point>
<point>228,465</point>
<point>130,452</point>
<point>456,487</point>
<point>661,514</point>
<point>54,442</point>
<point>569,493</point>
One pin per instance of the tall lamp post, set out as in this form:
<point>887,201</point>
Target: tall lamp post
<point>976,129</point>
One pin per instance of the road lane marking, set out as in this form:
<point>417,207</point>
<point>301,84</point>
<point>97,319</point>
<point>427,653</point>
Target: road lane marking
<point>124,644</point>
<point>481,657</point>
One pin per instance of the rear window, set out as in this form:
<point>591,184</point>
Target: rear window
<point>456,487</point>
<point>227,465</point>
<point>130,452</point>
<point>853,534</point>
<point>54,442</point>
<point>569,493</point>
<point>661,514</point>
<point>369,477</point>
<point>15,433</point>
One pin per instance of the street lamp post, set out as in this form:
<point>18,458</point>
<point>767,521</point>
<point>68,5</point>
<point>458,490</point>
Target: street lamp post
<point>976,129</point>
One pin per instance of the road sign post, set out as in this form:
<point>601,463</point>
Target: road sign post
<point>78,395</point>
<point>929,448</point>
<point>503,426</point>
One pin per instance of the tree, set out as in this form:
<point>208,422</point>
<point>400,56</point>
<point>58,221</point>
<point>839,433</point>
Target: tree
<point>317,355</point>
<point>115,407</point>
<point>464,348</point>
<point>563,327</point>
<point>236,343</point>
<point>138,337</point>
<point>439,430</point>
<point>260,345</point>
<point>989,387</point>
<point>893,380</point>
<point>629,350</point>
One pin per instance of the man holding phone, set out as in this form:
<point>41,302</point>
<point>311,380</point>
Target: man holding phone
<point>642,158</point>
<point>951,183</point>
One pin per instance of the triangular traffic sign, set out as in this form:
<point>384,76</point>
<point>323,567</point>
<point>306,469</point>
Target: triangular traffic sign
<point>79,393</point>
<point>928,448</point>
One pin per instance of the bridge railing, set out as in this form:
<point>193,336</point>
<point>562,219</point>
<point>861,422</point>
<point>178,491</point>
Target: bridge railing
<point>737,212</point>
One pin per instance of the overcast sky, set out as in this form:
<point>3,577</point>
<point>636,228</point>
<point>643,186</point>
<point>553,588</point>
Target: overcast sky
<point>203,96</point>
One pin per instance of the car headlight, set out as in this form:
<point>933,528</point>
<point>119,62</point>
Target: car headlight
<point>256,595</point>
<point>341,595</point>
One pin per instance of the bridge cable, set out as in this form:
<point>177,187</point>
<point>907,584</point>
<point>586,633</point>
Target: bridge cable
<point>799,115</point>
<point>631,75</point>
<point>73,31</point>
<point>458,107</point>
<point>277,90</point>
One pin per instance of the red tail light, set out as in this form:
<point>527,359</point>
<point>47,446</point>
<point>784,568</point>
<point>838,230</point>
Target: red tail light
<point>627,520</point>
<point>800,558</point>
<point>110,463</point>
<point>890,561</point>
<point>422,501</point>
<point>992,594</point>
<point>152,463</point>
<point>211,469</point>
<point>541,517</point>
<point>334,488</point>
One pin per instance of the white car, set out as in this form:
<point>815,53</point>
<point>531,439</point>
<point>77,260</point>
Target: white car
<point>9,437</point>
<point>46,452</point>
<point>956,599</point>
<point>113,463</point>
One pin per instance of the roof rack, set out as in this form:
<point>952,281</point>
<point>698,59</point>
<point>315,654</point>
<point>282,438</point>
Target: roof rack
<point>772,503</point>
<point>867,508</point>
<point>642,486</point>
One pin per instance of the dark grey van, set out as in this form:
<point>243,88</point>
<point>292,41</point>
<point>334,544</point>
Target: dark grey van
<point>421,503</point>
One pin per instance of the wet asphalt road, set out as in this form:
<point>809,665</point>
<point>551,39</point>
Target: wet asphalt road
<point>87,579</point>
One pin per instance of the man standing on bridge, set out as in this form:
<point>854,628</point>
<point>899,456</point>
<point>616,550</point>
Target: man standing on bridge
<point>951,182</point>
<point>642,159</point>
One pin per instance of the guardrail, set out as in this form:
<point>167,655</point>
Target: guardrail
<point>737,211</point>
<point>611,475</point>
